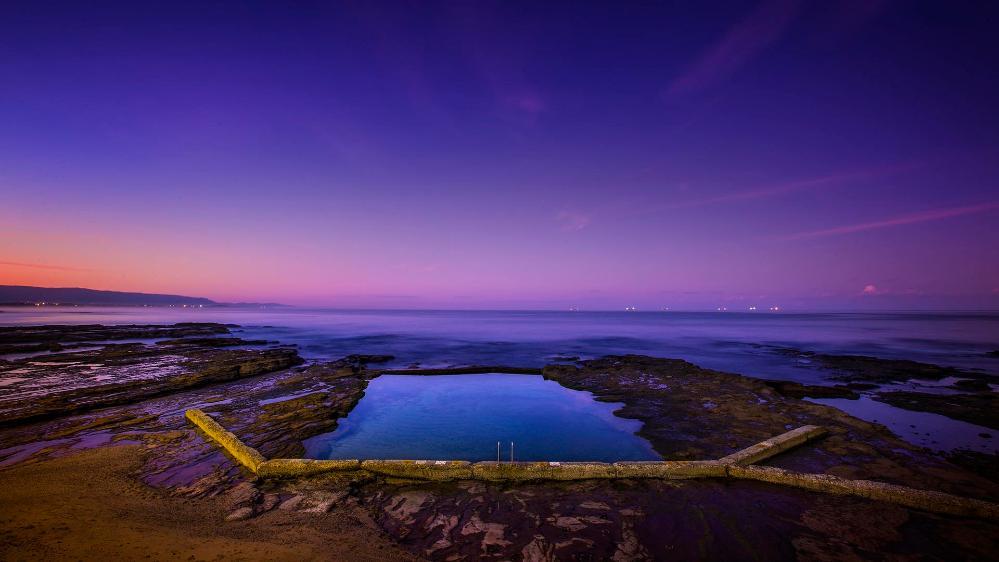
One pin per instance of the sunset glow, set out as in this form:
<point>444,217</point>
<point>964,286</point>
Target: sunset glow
<point>488,156</point>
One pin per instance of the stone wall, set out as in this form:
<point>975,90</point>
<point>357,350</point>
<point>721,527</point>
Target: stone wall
<point>737,465</point>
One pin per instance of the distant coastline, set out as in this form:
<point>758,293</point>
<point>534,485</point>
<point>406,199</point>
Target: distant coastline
<point>24,295</point>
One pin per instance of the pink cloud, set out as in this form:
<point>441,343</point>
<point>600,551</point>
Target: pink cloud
<point>899,221</point>
<point>870,290</point>
<point>742,43</point>
<point>42,266</point>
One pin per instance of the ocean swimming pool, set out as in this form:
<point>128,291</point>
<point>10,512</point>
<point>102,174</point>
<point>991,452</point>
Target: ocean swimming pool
<point>465,416</point>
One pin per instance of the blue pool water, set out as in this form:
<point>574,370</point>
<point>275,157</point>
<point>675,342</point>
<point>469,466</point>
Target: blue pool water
<point>464,416</point>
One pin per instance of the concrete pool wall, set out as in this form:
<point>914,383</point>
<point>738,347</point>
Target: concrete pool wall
<point>734,466</point>
<point>493,470</point>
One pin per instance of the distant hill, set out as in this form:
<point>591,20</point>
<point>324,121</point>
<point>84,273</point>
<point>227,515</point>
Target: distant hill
<point>19,294</point>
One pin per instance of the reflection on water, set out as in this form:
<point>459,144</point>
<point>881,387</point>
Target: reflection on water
<point>464,416</point>
<point>926,429</point>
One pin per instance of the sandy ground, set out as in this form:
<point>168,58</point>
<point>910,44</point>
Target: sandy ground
<point>90,506</point>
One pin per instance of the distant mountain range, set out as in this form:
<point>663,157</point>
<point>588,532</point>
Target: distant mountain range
<point>21,295</point>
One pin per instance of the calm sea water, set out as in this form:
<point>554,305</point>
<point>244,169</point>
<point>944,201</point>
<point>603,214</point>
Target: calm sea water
<point>743,343</point>
<point>465,416</point>
<point>737,342</point>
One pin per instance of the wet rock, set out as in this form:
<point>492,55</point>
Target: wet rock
<point>269,502</point>
<point>863,368</point>
<point>117,420</point>
<point>9,348</point>
<point>466,370</point>
<point>862,385</point>
<point>972,385</point>
<point>330,371</point>
<point>860,535</point>
<point>216,481</point>
<point>292,503</point>
<point>69,383</point>
<point>443,524</point>
<point>323,502</point>
<point>563,358</point>
<point>59,334</point>
<point>984,464</point>
<point>644,519</point>
<point>629,548</point>
<point>246,501</point>
<point>538,550</point>
<point>279,428</point>
<point>798,390</point>
<point>576,523</point>
<point>979,409</point>
<point>587,520</point>
<point>492,540</point>
<point>366,359</point>
<point>212,342</point>
<point>240,514</point>
<point>154,439</point>
<point>243,494</point>
<point>668,396</point>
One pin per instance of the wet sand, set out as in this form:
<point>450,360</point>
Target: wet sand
<point>90,506</point>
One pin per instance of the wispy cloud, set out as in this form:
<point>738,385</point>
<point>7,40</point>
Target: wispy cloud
<point>793,186</point>
<point>418,267</point>
<point>742,43</point>
<point>784,188</point>
<point>572,221</point>
<point>902,220</point>
<point>829,180</point>
<point>43,266</point>
<point>499,59</point>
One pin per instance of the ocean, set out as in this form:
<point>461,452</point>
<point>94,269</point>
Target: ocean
<point>744,343</point>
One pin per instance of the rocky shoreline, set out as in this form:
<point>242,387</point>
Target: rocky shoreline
<point>136,392</point>
<point>109,374</point>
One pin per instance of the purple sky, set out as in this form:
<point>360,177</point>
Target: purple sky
<point>833,155</point>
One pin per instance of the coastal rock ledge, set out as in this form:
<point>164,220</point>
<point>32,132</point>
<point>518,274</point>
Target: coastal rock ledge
<point>143,466</point>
